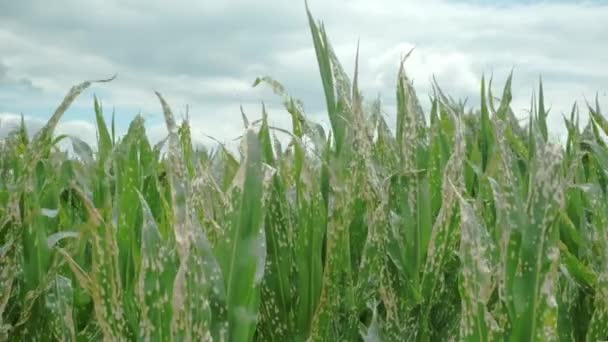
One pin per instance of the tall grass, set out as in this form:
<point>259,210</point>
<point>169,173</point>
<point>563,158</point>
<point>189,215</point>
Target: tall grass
<point>467,227</point>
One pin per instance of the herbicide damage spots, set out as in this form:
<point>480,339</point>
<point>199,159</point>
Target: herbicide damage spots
<point>50,213</point>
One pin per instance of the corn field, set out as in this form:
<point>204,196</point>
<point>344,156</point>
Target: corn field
<point>451,225</point>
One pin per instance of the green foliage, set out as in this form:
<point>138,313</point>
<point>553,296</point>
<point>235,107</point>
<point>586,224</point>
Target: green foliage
<point>466,227</point>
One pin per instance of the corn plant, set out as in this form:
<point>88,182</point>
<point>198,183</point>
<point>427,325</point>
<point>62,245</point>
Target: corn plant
<point>455,225</point>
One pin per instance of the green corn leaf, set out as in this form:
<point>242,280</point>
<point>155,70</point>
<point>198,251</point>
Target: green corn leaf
<point>485,134</point>
<point>325,68</point>
<point>241,252</point>
<point>104,140</point>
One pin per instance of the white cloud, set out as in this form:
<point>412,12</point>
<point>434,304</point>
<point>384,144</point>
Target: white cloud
<point>9,122</point>
<point>81,129</point>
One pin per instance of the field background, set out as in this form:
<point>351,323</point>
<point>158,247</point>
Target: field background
<point>454,225</point>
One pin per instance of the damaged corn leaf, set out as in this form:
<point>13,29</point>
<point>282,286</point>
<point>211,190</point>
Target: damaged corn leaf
<point>155,280</point>
<point>476,278</point>
<point>198,302</point>
<point>60,303</point>
<point>533,253</point>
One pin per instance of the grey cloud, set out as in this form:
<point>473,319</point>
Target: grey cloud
<point>207,54</point>
<point>3,71</point>
<point>168,38</point>
<point>11,83</point>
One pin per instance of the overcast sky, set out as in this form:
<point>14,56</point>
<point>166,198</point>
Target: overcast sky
<point>206,54</point>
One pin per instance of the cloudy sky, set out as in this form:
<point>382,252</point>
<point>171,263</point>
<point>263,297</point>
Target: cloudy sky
<point>206,54</point>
